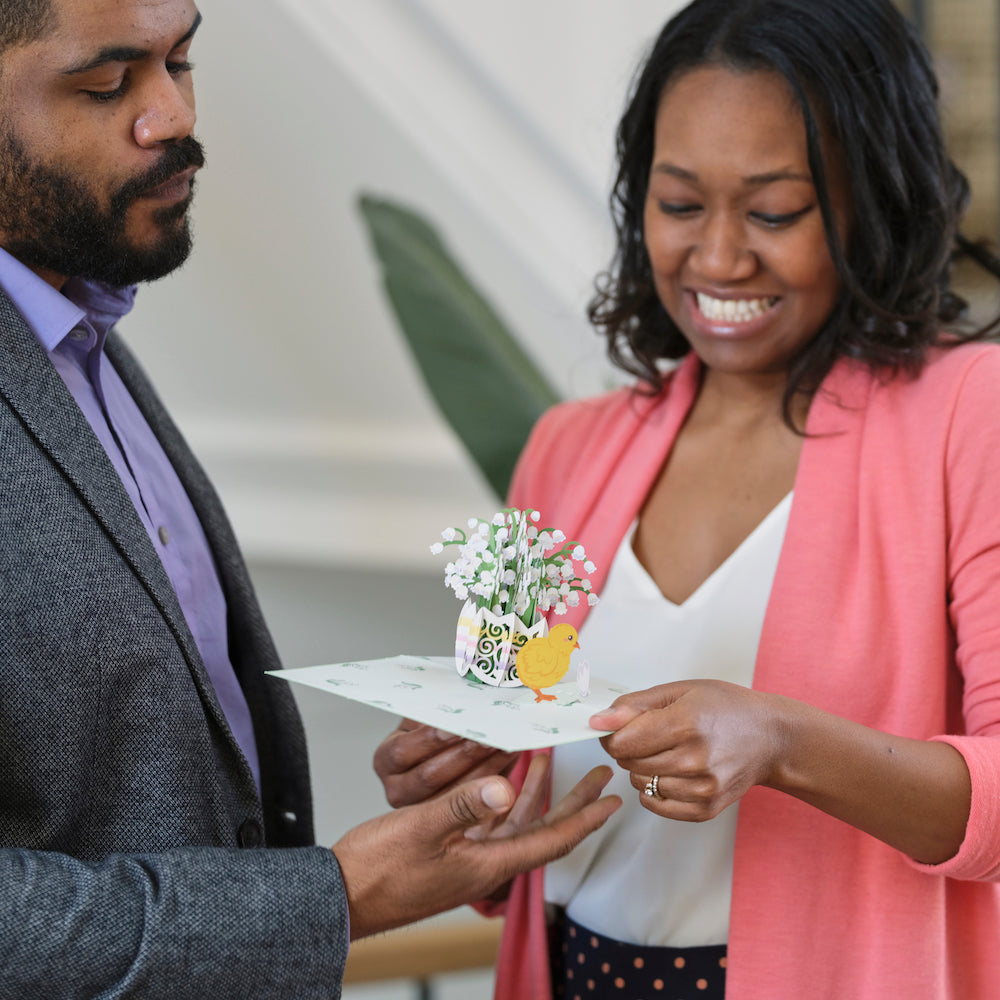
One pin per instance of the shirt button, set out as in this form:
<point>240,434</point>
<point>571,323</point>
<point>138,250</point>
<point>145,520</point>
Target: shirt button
<point>163,533</point>
<point>250,834</point>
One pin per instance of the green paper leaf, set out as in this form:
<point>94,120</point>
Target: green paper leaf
<point>485,385</point>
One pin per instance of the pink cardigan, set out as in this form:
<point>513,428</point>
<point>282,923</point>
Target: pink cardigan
<point>885,609</point>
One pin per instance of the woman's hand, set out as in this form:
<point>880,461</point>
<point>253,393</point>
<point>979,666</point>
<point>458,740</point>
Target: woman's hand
<point>417,762</point>
<point>707,742</point>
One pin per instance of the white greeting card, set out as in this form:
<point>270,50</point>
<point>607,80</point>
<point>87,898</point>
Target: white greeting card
<point>428,689</point>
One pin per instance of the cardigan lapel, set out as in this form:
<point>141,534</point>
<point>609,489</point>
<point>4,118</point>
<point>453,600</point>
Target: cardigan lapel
<point>614,483</point>
<point>820,536</point>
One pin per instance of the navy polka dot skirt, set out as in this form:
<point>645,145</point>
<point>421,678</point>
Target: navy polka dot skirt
<point>589,966</point>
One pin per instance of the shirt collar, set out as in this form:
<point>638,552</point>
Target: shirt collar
<point>52,314</point>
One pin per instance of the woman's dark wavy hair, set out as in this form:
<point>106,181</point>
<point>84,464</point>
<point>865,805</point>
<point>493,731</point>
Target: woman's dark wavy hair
<point>859,71</point>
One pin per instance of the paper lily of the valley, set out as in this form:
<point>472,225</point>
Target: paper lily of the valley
<point>426,688</point>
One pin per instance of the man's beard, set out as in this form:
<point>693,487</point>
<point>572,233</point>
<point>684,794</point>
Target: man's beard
<point>51,221</point>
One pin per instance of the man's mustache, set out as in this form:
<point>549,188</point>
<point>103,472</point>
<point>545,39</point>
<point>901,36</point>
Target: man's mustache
<point>178,156</point>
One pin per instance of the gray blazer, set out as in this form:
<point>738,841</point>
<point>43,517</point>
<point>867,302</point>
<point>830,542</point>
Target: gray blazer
<point>136,858</point>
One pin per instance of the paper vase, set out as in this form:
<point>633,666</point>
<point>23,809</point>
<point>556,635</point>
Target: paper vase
<point>486,645</point>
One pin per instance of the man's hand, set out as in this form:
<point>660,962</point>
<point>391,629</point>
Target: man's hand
<point>460,846</point>
<point>417,762</point>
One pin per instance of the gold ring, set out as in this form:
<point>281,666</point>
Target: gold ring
<point>653,786</point>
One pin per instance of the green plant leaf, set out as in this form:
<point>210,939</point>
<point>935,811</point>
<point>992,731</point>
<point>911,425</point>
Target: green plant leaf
<point>487,388</point>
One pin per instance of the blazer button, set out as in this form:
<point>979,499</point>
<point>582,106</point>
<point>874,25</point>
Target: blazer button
<point>250,834</point>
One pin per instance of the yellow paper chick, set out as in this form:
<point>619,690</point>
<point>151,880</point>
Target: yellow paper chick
<point>542,662</point>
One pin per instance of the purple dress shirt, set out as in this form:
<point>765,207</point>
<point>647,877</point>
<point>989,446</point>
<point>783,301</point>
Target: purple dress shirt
<point>72,326</point>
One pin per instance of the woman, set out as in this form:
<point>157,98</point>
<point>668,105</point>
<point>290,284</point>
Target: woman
<point>802,534</point>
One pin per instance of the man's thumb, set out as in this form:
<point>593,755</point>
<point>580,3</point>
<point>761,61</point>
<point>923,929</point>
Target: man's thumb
<point>475,802</point>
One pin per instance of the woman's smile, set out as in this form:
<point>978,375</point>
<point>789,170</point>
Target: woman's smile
<point>738,316</point>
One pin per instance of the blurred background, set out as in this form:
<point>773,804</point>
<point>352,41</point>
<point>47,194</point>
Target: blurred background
<point>277,353</point>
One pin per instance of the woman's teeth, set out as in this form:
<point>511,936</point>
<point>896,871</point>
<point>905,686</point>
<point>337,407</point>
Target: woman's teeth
<point>732,310</point>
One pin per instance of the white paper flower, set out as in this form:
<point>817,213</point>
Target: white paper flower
<point>510,565</point>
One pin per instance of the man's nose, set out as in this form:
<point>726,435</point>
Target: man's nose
<point>168,113</point>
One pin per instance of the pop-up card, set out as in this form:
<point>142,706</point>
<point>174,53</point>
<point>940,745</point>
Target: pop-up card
<point>511,691</point>
<point>509,572</point>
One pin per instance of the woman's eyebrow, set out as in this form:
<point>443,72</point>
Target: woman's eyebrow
<point>777,175</point>
<point>125,53</point>
<point>672,170</point>
<point>753,180</point>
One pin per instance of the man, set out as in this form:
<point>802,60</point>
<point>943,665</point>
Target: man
<point>155,826</point>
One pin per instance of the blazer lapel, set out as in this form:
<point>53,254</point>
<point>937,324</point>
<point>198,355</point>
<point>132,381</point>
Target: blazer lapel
<point>196,483</point>
<point>33,389</point>
<point>251,647</point>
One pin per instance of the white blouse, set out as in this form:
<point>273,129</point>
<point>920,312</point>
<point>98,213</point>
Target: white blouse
<point>642,878</point>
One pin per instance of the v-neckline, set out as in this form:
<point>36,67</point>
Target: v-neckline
<point>698,595</point>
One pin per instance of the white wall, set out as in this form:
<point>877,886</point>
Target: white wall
<point>274,346</point>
